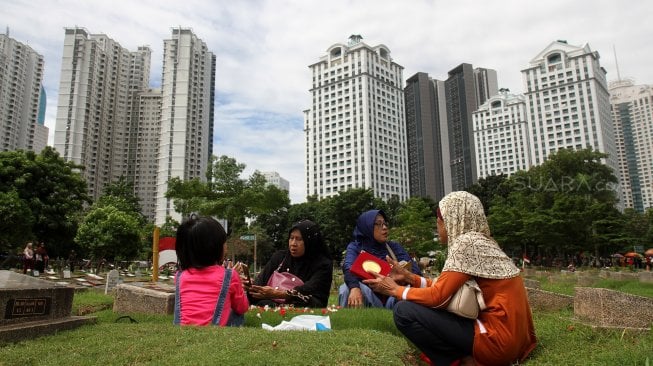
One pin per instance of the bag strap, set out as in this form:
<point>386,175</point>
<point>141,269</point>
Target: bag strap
<point>392,254</point>
<point>222,297</point>
<point>281,264</point>
<point>177,318</point>
<point>479,294</point>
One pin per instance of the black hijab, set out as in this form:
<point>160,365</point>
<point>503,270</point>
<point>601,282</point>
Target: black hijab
<point>313,241</point>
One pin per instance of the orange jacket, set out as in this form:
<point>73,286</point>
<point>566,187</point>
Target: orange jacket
<point>503,332</point>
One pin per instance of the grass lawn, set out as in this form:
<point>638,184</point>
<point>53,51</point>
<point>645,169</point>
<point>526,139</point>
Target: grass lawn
<point>359,337</point>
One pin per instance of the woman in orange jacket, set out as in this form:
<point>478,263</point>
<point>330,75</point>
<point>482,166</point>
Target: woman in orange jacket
<point>503,333</point>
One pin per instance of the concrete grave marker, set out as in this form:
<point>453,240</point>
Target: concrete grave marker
<point>32,307</point>
<point>112,280</point>
<point>66,273</point>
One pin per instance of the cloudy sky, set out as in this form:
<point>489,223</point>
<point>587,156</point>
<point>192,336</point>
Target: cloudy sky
<point>264,47</point>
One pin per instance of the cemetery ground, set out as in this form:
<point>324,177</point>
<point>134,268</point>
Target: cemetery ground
<point>358,337</point>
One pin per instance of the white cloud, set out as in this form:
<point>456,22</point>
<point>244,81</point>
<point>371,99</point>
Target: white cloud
<point>264,47</point>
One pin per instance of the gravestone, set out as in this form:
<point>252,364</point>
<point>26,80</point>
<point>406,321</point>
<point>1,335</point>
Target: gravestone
<point>112,281</point>
<point>31,307</point>
<point>613,309</point>
<point>147,298</point>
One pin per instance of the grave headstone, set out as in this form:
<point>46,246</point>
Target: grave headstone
<point>66,273</point>
<point>147,298</point>
<point>31,307</point>
<point>112,281</point>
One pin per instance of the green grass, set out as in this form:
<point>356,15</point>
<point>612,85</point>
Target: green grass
<point>359,337</point>
<point>565,285</point>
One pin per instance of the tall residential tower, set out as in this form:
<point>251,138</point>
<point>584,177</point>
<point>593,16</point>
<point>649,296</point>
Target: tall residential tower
<point>427,137</point>
<point>355,128</point>
<point>501,135</point>
<point>95,99</point>
<point>22,97</point>
<point>111,122</point>
<point>466,89</point>
<point>186,135</point>
<point>568,103</point>
<point>632,113</point>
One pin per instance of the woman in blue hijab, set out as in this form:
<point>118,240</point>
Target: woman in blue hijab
<point>370,235</point>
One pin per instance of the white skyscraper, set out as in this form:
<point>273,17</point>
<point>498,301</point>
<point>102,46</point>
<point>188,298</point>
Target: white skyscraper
<point>501,135</point>
<point>568,103</point>
<point>21,97</point>
<point>276,180</point>
<point>355,129</point>
<point>188,88</point>
<point>96,95</point>
<point>632,113</point>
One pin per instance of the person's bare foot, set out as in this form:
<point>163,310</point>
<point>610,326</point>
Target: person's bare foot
<point>467,361</point>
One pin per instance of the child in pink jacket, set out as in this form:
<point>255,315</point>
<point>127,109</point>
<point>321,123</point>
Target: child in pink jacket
<point>206,292</point>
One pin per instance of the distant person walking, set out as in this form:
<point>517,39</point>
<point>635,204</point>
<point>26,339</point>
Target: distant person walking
<point>41,258</point>
<point>72,258</point>
<point>28,258</point>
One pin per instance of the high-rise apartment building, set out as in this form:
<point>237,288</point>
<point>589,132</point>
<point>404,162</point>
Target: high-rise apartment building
<point>95,99</point>
<point>22,99</point>
<point>568,103</point>
<point>113,124</point>
<point>277,180</point>
<point>466,88</point>
<point>355,128</point>
<point>188,89</point>
<point>427,137</point>
<point>632,114</point>
<point>501,135</point>
<point>144,148</point>
<point>41,132</point>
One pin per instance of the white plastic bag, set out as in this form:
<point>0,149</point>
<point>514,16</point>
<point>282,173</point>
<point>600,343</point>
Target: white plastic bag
<point>303,322</point>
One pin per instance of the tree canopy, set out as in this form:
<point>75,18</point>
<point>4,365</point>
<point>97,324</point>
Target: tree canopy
<point>226,195</point>
<point>554,207</point>
<point>114,227</point>
<point>41,197</point>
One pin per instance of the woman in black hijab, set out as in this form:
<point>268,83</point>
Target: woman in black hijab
<point>307,258</point>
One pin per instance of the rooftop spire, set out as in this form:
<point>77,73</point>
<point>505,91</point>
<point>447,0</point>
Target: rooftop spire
<point>355,39</point>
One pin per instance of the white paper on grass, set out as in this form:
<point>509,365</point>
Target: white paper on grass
<point>302,322</point>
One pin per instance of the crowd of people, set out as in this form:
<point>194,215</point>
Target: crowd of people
<point>211,290</point>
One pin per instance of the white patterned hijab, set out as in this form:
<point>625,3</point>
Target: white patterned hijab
<point>471,248</point>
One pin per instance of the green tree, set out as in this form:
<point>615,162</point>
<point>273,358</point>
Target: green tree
<point>634,230</point>
<point>339,215</point>
<point>120,194</point>
<point>17,221</point>
<point>226,195</point>
<point>486,189</point>
<point>553,207</point>
<point>52,190</point>
<point>415,226</point>
<point>114,227</point>
<point>109,233</point>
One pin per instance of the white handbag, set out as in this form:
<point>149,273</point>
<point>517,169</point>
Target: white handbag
<point>467,301</point>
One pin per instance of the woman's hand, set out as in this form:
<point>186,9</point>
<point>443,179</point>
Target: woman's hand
<point>243,272</point>
<point>400,272</point>
<point>384,285</point>
<point>266,292</point>
<point>355,299</point>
